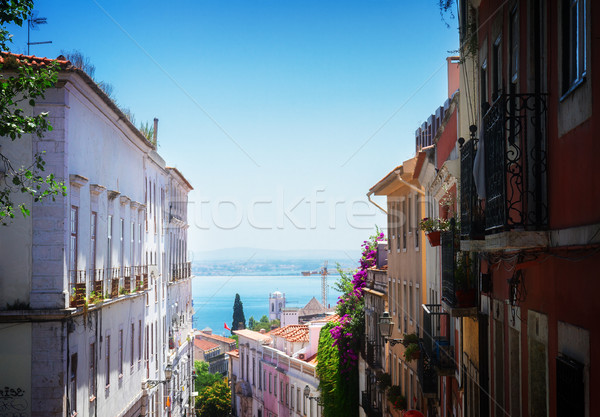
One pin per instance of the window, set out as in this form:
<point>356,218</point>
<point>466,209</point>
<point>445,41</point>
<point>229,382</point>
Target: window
<point>109,224</point>
<point>93,228</point>
<point>573,43</point>
<point>292,398</point>
<point>92,372</point>
<point>73,240</point>
<point>483,86</point>
<point>132,345</point>
<point>404,223</point>
<point>298,397</point>
<point>497,68</point>
<point>417,218</point>
<point>73,385</point>
<point>275,386</point>
<point>120,353</point>
<point>253,372</point>
<point>107,357</point>
<point>122,244</point>
<point>132,245</point>
<point>287,388</point>
<point>270,383</point>
<point>411,303</point>
<point>139,341</point>
<point>514,46</point>
<point>260,376</point>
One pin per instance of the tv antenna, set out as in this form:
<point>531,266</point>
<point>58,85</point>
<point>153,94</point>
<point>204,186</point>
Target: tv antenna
<point>32,24</point>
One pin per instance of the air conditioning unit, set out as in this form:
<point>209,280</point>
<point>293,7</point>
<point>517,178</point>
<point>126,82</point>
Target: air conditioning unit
<point>301,356</point>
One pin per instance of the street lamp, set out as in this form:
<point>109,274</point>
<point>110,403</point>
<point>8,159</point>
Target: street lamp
<point>307,394</point>
<point>168,374</point>
<point>385,328</point>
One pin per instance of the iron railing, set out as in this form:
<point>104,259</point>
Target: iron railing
<point>448,266</point>
<point>373,354</point>
<point>515,163</point>
<point>369,406</point>
<point>436,339</point>
<point>77,288</point>
<point>181,271</point>
<point>471,214</point>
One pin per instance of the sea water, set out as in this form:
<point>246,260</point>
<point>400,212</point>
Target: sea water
<point>214,296</point>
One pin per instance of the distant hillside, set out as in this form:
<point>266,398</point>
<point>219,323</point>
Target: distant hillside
<point>254,254</point>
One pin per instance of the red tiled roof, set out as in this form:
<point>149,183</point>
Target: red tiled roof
<point>292,332</point>
<point>217,337</point>
<point>205,344</point>
<point>32,61</point>
<point>235,353</point>
<point>65,65</point>
<point>327,319</point>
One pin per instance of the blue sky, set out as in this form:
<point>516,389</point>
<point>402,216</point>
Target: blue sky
<point>264,105</point>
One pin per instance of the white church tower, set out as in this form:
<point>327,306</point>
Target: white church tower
<point>276,305</point>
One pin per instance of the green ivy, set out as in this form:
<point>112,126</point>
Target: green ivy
<point>339,392</point>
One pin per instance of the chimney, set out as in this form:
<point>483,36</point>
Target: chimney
<point>262,331</point>
<point>155,130</point>
<point>453,74</point>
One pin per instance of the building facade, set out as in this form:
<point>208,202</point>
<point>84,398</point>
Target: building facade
<point>85,287</point>
<point>530,220</point>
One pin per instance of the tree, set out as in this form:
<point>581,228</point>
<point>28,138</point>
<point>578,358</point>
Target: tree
<point>204,379</point>
<point>239,320</point>
<point>251,323</point>
<point>214,401</point>
<point>20,85</point>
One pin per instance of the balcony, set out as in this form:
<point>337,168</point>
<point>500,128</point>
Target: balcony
<point>373,354</point>
<point>459,286</point>
<point>181,270</point>
<point>370,406</point>
<point>78,288</point>
<point>436,339</point>
<point>377,280</point>
<point>514,146</point>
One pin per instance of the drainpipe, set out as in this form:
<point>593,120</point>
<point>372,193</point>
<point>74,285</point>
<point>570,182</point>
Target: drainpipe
<point>374,203</point>
<point>409,185</point>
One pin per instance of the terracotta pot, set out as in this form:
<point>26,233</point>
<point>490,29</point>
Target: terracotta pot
<point>466,298</point>
<point>434,238</point>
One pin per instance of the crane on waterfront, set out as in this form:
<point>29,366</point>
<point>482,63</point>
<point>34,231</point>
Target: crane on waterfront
<point>324,287</point>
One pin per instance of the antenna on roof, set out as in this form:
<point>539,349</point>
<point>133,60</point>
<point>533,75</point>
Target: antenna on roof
<point>32,24</point>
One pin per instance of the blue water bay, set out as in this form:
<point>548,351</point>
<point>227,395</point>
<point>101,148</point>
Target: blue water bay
<point>214,296</point>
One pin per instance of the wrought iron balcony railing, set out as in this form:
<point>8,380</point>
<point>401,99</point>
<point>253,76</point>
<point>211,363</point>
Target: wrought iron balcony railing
<point>459,287</point>
<point>369,405</point>
<point>513,141</point>
<point>373,354</point>
<point>436,339</point>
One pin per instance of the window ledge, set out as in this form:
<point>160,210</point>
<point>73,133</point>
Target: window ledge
<point>572,88</point>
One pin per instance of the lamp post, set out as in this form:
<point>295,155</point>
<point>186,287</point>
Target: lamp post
<point>385,328</point>
<point>151,383</point>
<point>309,397</point>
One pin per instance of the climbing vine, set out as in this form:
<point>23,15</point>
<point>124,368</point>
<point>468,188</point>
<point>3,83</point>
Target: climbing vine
<point>339,342</point>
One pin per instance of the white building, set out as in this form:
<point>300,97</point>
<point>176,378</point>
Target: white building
<point>89,299</point>
<point>274,374</point>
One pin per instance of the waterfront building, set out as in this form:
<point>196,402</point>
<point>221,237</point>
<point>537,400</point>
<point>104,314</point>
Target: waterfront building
<point>88,294</point>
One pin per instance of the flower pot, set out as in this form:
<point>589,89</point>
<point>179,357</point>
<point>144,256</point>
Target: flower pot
<point>434,238</point>
<point>466,298</point>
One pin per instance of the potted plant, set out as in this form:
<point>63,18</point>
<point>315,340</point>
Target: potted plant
<point>411,352</point>
<point>384,380</point>
<point>465,293</point>
<point>409,338</point>
<point>396,397</point>
<point>433,229</point>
